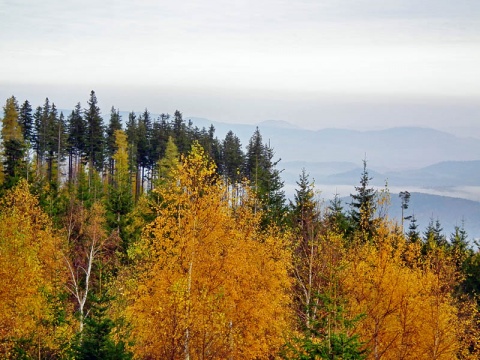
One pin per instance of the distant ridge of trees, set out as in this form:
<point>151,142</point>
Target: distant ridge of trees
<point>60,143</point>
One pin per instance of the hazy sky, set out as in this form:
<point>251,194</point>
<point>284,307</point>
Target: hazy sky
<point>317,63</point>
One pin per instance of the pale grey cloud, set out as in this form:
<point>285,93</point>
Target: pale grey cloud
<point>298,48</point>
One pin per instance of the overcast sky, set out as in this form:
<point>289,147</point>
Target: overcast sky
<point>316,63</point>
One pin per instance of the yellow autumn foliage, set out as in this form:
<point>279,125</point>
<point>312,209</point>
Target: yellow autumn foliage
<point>209,284</point>
<point>32,270</point>
<point>409,310</point>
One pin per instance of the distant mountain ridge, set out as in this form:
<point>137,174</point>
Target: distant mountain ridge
<point>449,211</point>
<point>394,148</point>
<point>278,124</point>
<point>424,161</point>
<point>386,150</point>
<point>442,174</point>
<point>403,155</point>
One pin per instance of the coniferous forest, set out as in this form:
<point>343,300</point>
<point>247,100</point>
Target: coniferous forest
<point>149,238</point>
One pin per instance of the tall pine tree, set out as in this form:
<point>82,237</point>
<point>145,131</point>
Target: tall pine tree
<point>232,158</point>
<point>114,125</point>
<point>363,206</point>
<point>265,179</point>
<point>27,123</point>
<point>95,140</point>
<point>77,147</point>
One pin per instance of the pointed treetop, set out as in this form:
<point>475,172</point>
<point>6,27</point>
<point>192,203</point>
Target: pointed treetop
<point>11,129</point>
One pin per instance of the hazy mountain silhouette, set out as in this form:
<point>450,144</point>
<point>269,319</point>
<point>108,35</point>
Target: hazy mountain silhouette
<point>405,157</point>
<point>449,211</point>
<point>385,150</point>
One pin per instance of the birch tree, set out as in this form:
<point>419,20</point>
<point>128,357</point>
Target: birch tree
<point>209,284</point>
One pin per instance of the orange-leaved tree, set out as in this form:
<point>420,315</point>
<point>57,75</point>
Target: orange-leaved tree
<point>32,278</point>
<point>208,283</point>
<point>407,300</point>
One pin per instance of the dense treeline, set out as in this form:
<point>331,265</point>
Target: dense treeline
<point>150,238</point>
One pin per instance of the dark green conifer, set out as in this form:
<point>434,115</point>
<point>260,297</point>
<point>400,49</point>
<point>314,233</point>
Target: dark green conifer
<point>161,131</point>
<point>303,208</point>
<point>26,121</point>
<point>434,234</point>
<point>459,239</point>
<point>96,341</point>
<point>232,158</point>
<point>132,139</point>
<point>56,138</point>
<point>180,133</point>
<point>114,124</point>
<point>336,217</point>
<point>265,179</point>
<point>95,140</point>
<point>144,133</point>
<point>76,141</point>
<point>363,206</point>
<point>413,235</point>
<point>42,118</point>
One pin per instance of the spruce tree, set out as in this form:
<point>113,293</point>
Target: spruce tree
<point>363,206</point>
<point>336,216</point>
<point>265,179</point>
<point>459,239</point>
<point>97,340</point>
<point>42,118</point>
<point>413,235</point>
<point>37,121</point>
<point>161,131</point>
<point>232,158</point>
<point>76,141</point>
<point>254,158</point>
<point>95,135</point>
<point>303,208</point>
<point>180,133</point>
<point>55,142</point>
<point>144,133</point>
<point>467,261</point>
<point>330,334</point>
<point>50,140</point>
<point>114,125</point>
<point>132,139</point>
<point>459,246</point>
<point>211,145</point>
<point>434,234</point>
<point>26,121</point>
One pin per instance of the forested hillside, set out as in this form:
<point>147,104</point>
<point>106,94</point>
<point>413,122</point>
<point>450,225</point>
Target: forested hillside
<point>150,238</point>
